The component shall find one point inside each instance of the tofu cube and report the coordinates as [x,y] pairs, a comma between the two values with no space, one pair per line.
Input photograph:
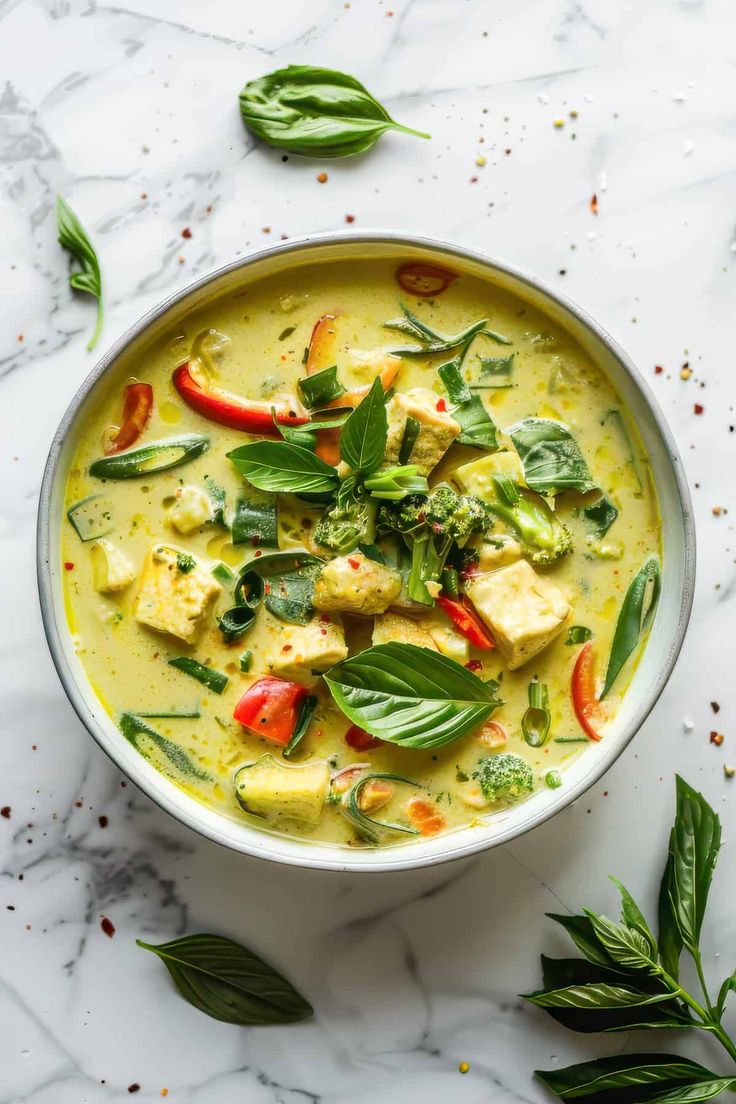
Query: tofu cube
[298,650]
[174,592]
[192,509]
[392,626]
[524,611]
[498,552]
[437,429]
[111,569]
[476,478]
[356,584]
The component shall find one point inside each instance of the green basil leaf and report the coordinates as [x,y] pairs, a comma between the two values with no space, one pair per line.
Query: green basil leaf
[289,583]
[578,634]
[689,1094]
[582,933]
[281,466]
[551,457]
[228,982]
[635,617]
[432,341]
[728,986]
[315,112]
[669,939]
[410,696]
[365,825]
[594,997]
[306,712]
[601,514]
[478,428]
[255,523]
[452,377]
[149,459]
[363,437]
[492,369]
[320,388]
[213,680]
[694,845]
[633,917]
[73,236]
[628,1074]
[148,741]
[306,434]
[627,946]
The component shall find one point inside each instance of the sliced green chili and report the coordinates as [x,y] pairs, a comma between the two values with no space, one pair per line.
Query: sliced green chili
[365,825]
[535,723]
[246,660]
[634,619]
[306,712]
[578,634]
[92,517]
[223,574]
[321,388]
[248,594]
[150,459]
[213,680]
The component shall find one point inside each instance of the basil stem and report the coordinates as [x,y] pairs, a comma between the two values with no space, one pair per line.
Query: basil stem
[213,680]
[365,825]
[73,236]
[306,712]
[535,723]
[315,112]
[635,617]
[149,459]
[321,388]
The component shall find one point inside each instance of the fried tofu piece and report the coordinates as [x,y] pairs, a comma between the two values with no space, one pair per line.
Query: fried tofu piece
[356,584]
[524,611]
[390,627]
[112,571]
[174,592]
[298,650]
[192,509]
[437,428]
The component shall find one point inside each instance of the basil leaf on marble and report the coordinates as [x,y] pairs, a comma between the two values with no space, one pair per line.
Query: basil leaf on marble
[73,237]
[315,112]
[551,457]
[627,1074]
[411,696]
[281,466]
[229,982]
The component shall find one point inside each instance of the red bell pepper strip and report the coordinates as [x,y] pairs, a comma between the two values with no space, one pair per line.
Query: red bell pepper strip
[360,740]
[584,701]
[423,280]
[466,622]
[321,344]
[232,411]
[270,708]
[137,409]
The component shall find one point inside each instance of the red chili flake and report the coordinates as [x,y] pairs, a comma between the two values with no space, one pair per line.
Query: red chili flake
[594,204]
[474,180]
[698,408]
[5,812]
[716,738]
[267,588]
[474,665]
[350,218]
[258,554]
[441,406]
[108,927]
[322,178]
[144,195]
[323,631]
[715,707]
[20,337]
[658,369]
[68,565]
[186,232]
[103,821]
[355,564]
[287,648]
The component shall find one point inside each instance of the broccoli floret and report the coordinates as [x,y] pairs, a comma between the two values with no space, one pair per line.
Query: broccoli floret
[545,537]
[504,777]
[430,525]
[344,527]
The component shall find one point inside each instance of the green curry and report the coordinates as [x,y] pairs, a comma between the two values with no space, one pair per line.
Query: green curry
[363,553]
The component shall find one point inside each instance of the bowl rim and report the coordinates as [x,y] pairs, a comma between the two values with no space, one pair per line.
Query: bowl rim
[337,859]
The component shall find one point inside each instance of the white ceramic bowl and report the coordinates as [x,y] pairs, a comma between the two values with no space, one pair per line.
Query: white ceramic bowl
[651,673]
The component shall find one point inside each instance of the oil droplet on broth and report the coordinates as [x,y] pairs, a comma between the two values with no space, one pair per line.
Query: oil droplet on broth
[169,412]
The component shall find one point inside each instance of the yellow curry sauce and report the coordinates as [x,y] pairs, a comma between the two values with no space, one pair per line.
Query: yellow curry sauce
[268,326]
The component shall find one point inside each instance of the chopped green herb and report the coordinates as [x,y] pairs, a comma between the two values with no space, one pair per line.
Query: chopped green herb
[185,563]
[246,660]
[578,634]
[213,680]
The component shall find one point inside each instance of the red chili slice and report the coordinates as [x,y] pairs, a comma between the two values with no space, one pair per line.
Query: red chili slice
[137,409]
[360,740]
[270,708]
[232,411]
[423,280]
[584,701]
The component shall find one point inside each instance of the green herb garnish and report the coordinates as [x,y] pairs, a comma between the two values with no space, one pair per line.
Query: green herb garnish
[185,563]
[634,619]
[578,634]
[535,724]
[213,680]
[72,236]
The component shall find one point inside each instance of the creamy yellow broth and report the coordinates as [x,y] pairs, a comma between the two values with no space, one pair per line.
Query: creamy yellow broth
[127,662]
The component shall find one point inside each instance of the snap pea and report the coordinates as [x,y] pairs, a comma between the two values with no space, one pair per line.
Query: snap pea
[149,459]
[634,619]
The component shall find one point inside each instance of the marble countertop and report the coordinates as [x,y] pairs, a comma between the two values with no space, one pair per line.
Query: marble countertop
[130,110]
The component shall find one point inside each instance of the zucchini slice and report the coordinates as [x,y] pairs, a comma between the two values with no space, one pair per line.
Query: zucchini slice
[92,517]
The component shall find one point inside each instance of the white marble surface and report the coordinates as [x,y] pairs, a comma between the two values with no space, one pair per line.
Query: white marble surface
[409,975]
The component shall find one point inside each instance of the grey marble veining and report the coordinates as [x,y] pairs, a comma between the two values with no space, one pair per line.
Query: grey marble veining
[131,110]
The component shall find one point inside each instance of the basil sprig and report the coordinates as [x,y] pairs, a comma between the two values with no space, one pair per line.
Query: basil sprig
[73,236]
[551,457]
[432,341]
[411,696]
[634,619]
[315,112]
[228,982]
[285,467]
[628,978]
